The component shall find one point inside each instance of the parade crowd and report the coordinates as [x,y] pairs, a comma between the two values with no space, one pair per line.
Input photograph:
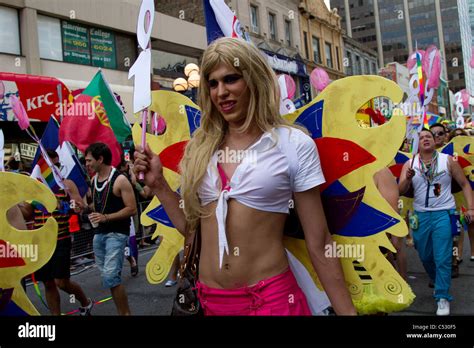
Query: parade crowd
[238,205]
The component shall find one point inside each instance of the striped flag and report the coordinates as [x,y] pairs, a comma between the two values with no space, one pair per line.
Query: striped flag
[42,171]
[70,167]
[96,116]
[221,21]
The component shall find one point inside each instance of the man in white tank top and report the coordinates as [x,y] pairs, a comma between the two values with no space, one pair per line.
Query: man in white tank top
[430,173]
[441,137]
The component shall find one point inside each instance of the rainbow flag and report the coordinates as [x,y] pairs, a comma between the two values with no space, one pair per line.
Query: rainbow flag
[422,86]
[47,175]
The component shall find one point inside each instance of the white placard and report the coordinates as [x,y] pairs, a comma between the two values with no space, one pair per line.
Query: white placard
[141,70]
[28,150]
[460,122]
[142,90]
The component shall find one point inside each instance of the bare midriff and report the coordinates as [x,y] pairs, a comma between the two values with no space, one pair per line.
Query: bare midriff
[256,250]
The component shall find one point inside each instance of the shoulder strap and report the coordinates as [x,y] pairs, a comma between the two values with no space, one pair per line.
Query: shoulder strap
[192,248]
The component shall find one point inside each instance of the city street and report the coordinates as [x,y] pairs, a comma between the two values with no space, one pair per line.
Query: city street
[147,299]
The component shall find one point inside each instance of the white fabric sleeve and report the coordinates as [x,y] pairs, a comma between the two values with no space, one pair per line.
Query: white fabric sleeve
[309,173]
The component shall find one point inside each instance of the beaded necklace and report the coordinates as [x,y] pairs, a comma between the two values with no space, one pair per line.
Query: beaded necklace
[428,171]
[102,197]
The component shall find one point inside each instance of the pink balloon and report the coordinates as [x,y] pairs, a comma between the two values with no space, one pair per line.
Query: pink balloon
[411,62]
[472,58]
[434,73]
[161,125]
[19,112]
[290,86]
[319,79]
[158,125]
[2,90]
[465,98]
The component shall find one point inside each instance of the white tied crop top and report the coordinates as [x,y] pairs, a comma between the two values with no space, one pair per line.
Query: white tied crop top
[282,161]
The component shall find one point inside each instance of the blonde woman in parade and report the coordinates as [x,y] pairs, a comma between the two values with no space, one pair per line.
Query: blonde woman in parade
[242,205]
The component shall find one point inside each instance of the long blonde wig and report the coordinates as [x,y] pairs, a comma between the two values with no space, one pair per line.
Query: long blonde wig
[263,111]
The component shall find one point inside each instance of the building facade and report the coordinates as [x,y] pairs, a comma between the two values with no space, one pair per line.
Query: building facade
[70,40]
[321,34]
[358,58]
[466,40]
[274,27]
[395,27]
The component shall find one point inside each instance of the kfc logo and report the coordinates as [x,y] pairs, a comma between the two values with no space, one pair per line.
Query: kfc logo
[39,101]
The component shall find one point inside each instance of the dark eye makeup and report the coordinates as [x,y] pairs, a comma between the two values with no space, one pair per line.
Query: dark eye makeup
[228,79]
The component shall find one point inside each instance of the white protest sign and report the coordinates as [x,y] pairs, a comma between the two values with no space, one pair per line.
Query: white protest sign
[141,70]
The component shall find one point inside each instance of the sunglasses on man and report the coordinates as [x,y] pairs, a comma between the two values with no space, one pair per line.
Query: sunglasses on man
[439,134]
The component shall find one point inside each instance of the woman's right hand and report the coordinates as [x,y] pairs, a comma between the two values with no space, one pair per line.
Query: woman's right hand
[150,165]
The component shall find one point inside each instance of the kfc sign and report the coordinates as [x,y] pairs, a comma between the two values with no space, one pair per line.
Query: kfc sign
[38,94]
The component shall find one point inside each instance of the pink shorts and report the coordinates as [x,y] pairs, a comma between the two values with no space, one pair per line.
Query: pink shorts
[278,295]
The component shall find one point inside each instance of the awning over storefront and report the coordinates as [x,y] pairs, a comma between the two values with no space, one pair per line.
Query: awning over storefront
[39,95]
[286,64]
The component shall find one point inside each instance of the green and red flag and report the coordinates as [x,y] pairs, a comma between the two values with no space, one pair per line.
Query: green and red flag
[96,116]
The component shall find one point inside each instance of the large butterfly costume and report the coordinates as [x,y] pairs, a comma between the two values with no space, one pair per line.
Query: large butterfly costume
[356,213]
[14,189]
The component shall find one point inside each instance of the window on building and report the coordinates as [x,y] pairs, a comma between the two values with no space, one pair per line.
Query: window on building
[272,25]
[357,65]
[374,69]
[288,32]
[348,63]
[254,19]
[367,66]
[9,31]
[78,44]
[316,53]
[328,51]
[306,50]
[49,38]
[337,59]
[126,51]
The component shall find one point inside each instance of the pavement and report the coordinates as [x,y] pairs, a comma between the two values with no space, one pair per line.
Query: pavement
[461,287]
[143,297]
[147,299]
